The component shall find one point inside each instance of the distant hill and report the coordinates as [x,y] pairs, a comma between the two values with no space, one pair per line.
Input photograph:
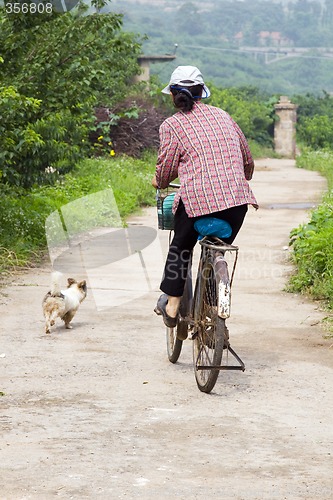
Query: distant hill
[237,43]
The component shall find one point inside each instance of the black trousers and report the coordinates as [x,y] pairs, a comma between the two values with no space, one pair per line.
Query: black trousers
[183,242]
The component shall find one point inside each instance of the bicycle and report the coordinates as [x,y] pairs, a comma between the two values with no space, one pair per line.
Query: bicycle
[203,313]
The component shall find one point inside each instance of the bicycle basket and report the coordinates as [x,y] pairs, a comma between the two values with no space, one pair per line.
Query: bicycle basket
[164,211]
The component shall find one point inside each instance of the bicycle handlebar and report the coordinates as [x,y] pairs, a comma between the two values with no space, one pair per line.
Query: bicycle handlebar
[171,185]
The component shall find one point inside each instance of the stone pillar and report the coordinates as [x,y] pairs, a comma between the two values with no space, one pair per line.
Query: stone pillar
[145,61]
[145,70]
[285,128]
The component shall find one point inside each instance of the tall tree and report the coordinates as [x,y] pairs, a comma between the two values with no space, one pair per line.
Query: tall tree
[59,66]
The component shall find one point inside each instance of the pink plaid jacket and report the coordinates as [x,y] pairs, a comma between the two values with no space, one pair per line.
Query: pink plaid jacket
[208,152]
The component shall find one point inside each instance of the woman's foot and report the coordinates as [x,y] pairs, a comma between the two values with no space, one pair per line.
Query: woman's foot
[172,306]
[169,311]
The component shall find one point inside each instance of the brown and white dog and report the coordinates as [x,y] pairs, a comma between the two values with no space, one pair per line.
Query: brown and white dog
[62,304]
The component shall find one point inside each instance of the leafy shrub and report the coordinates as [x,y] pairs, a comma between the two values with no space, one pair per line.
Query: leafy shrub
[55,68]
[31,147]
[313,254]
[314,120]
[312,243]
[317,132]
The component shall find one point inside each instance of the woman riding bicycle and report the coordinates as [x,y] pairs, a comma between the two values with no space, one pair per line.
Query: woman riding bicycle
[206,149]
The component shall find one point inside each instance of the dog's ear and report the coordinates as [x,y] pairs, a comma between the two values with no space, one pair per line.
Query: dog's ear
[70,282]
[82,285]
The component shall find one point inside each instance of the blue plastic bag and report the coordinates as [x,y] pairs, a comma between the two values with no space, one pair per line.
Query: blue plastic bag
[211,226]
[166,217]
[168,203]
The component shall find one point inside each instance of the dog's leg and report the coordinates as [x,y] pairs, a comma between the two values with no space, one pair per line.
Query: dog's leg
[47,325]
[50,321]
[67,318]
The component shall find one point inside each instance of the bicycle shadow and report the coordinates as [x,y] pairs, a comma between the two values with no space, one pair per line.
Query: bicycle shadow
[229,382]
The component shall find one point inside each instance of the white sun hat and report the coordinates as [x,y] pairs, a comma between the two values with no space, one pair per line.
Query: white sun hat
[187,76]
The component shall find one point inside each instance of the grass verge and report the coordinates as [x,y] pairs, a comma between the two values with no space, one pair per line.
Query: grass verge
[23,214]
[312,243]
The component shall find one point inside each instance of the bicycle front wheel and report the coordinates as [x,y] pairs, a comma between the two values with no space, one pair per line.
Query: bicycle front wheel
[209,338]
[175,336]
[174,343]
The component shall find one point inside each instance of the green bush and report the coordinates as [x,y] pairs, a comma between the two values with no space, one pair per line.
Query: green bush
[313,254]
[31,148]
[314,120]
[312,243]
[55,68]
[317,132]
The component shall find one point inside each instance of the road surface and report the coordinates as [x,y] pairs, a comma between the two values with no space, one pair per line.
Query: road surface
[99,412]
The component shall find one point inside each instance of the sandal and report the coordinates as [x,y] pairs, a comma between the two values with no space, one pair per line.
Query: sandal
[160,310]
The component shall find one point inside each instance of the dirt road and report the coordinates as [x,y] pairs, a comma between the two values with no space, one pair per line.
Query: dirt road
[99,412]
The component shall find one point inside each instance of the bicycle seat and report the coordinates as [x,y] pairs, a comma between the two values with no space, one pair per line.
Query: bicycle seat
[211,226]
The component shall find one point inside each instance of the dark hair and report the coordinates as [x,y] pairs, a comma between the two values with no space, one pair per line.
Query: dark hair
[184,97]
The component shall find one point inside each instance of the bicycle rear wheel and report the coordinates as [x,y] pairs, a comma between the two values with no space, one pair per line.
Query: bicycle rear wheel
[209,338]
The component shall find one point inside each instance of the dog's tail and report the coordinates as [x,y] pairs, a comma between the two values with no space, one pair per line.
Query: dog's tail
[55,284]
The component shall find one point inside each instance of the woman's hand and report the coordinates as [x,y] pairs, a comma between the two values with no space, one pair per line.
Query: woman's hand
[154,183]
